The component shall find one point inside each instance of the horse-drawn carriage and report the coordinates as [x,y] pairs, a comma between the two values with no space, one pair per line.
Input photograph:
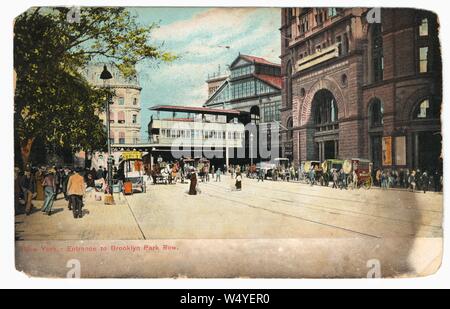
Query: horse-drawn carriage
[362,168]
[328,167]
[131,172]
[307,169]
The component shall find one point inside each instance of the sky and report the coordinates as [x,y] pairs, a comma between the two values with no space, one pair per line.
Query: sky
[200,36]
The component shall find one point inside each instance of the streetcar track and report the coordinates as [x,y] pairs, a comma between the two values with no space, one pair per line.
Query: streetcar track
[318,208]
[349,200]
[297,217]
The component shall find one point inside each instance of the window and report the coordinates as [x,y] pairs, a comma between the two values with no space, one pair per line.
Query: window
[111,117]
[423,60]
[241,71]
[325,109]
[121,117]
[339,41]
[135,101]
[427,109]
[290,127]
[304,25]
[428,55]
[377,53]
[243,89]
[121,101]
[272,112]
[121,137]
[423,27]
[134,119]
[289,86]
[332,12]
[320,18]
[111,137]
[345,45]
[376,114]
[255,115]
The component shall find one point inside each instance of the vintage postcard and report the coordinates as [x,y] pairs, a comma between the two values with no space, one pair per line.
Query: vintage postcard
[179,142]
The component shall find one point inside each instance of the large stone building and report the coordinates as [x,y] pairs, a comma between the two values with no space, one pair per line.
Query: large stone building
[358,87]
[254,87]
[125,110]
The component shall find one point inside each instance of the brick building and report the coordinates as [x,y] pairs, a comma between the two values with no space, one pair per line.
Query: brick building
[358,87]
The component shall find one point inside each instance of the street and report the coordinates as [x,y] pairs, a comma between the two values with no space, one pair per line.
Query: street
[262,210]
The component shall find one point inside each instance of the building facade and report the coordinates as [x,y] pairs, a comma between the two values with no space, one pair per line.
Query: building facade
[359,86]
[125,110]
[253,86]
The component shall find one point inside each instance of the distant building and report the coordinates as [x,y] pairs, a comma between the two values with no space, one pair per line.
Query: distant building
[355,88]
[215,80]
[253,86]
[125,114]
[125,111]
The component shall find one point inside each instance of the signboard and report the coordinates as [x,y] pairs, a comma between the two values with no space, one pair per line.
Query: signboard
[132,155]
[318,57]
[400,150]
[288,149]
[387,150]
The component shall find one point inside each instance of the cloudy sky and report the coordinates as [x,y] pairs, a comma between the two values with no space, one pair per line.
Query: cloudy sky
[201,37]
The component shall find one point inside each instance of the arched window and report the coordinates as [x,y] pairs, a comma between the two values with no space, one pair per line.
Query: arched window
[325,108]
[255,115]
[377,53]
[290,127]
[289,85]
[427,109]
[376,112]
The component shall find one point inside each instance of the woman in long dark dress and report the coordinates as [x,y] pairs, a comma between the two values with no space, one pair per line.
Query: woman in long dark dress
[193,186]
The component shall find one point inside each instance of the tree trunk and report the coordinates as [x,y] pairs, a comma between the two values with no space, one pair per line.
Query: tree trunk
[25,150]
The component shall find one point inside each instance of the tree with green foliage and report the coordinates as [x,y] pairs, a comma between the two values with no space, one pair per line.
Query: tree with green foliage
[53,100]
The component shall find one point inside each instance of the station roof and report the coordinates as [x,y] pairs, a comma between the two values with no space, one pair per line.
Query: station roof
[259,60]
[195,110]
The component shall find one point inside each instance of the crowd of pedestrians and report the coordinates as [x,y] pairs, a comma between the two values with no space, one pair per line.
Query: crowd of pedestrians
[46,184]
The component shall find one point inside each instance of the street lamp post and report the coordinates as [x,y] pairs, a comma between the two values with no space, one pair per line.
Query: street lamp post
[106,76]
[251,149]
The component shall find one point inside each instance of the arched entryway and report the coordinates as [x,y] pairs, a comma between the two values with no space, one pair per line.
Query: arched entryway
[326,125]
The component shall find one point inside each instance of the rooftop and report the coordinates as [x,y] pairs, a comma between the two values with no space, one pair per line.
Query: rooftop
[258,60]
[194,110]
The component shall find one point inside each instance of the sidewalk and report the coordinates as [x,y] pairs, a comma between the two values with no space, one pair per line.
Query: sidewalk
[99,222]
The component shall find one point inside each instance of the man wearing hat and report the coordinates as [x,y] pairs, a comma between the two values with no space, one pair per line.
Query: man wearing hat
[76,190]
